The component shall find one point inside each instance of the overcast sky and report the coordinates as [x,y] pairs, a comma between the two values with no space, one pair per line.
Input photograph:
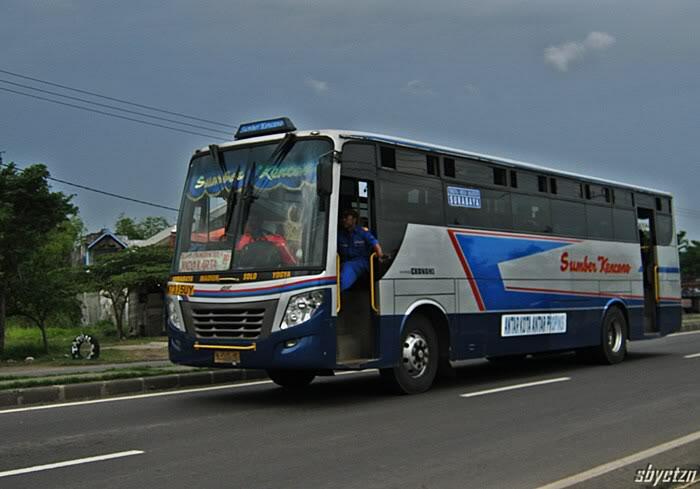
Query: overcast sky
[606,88]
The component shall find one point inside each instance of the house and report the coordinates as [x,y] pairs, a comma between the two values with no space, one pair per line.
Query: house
[145,315]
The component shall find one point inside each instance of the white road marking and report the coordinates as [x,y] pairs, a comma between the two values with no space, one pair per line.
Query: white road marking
[154,394]
[516,386]
[694,355]
[616,464]
[68,463]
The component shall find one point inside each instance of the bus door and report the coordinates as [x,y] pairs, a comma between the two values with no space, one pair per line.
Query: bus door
[356,325]
[647,243]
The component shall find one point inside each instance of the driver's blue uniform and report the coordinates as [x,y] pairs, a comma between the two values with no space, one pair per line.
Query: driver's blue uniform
[355,248]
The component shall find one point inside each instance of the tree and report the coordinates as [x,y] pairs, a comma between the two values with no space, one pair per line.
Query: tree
[690,262]
[683,242]
[144,229]
[116,275]
[28,211]
[46,282]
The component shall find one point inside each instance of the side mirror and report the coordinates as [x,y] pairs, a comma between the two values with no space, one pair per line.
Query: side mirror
[324,175]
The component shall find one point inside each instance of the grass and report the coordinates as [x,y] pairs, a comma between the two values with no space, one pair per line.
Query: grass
[9,382]
[23,340]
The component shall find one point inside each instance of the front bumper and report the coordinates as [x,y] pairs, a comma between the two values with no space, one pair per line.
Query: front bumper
[315,347]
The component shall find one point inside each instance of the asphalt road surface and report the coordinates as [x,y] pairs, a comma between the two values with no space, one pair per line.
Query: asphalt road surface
[559,422]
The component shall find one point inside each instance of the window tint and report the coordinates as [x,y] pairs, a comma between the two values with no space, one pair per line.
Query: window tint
[645,200]
[495,212]
[359,153]
[568,188]
[474,172]
[413,200]
[599,222]
[528,182]
[568,218]
[598,193]
[388,157]
[449,167]
[531,213]
[664,230]
[411,162]
[625,223]
[500,176]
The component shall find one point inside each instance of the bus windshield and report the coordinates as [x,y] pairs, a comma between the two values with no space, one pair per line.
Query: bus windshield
[257,209]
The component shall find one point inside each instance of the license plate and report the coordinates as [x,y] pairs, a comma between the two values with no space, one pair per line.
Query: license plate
[180,289]
[227,356]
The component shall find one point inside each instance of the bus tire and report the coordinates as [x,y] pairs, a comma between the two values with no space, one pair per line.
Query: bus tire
[292,379]
[613,339]
[419,360]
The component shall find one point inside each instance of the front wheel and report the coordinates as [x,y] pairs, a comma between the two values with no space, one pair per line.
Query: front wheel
[292,379]
[418,365]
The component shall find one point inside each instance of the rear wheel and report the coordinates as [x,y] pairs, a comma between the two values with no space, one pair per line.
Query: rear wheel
[418,364]
[292,379]
[613,342]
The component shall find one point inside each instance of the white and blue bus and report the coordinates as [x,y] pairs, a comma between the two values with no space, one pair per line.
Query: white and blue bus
[489,257]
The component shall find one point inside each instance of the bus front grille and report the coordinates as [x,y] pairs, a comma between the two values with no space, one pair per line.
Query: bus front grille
[247,321]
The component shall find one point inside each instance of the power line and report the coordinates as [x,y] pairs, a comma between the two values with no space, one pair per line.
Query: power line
[113,107]
[103,192]
[148,123]
[114,99]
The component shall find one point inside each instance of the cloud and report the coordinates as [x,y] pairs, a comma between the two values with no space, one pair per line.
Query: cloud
[417,87]
[317,86]
[564,54]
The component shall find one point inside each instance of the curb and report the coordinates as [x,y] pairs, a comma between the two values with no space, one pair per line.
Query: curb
[690,327]
[107,388]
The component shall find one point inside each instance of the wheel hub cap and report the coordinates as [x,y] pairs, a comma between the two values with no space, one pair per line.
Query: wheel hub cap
[615,337]
[416,354]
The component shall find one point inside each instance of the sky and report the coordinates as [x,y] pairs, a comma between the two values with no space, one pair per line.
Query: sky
[606,88]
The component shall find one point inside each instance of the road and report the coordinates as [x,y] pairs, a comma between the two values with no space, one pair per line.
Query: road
[347,432]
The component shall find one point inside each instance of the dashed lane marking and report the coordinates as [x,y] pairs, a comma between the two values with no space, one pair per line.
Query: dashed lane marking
[68,463]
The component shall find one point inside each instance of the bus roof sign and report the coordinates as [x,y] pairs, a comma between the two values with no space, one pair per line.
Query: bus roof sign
[263,128]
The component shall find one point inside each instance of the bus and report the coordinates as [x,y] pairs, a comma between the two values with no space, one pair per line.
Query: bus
[489,257]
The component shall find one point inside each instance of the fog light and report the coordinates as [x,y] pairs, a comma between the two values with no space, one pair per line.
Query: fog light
[290,343]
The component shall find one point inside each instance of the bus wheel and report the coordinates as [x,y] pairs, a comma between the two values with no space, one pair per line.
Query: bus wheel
[418,365]
[613,345]
[292,379]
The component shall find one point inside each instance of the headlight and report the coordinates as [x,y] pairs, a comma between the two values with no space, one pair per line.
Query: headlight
[174,312]
[301,307]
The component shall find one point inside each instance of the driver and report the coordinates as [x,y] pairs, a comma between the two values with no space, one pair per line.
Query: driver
[355,245]
[254,233]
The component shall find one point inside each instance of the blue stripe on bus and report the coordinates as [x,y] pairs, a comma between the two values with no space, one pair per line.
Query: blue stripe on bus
[266,291]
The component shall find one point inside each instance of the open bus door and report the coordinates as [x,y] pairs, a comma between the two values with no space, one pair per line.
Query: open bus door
[647,242]
[358,312]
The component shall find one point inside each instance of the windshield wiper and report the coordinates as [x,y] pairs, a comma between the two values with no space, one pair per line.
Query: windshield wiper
[280,153]
[231,201]
[231,197]
[248,196]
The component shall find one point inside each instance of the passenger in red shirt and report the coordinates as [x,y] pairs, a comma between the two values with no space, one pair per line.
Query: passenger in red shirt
[254,234]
